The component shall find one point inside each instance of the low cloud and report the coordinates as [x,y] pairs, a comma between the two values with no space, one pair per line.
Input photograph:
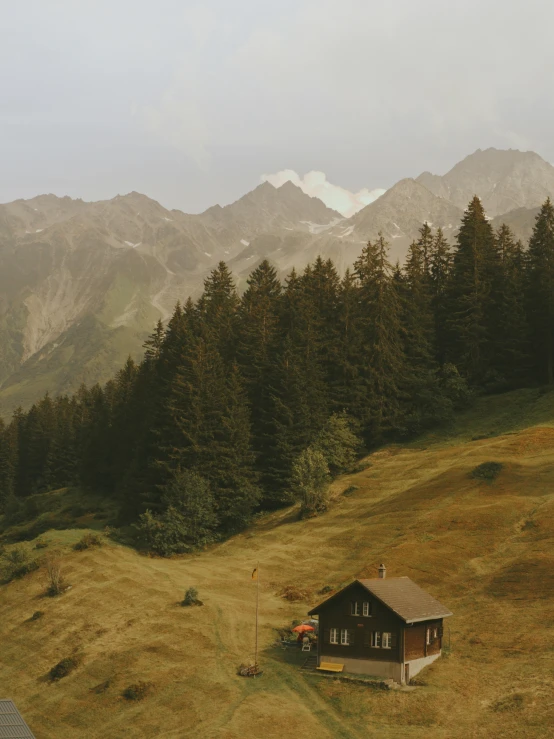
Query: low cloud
[317,185]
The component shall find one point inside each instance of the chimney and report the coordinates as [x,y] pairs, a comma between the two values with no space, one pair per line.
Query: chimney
[382,572]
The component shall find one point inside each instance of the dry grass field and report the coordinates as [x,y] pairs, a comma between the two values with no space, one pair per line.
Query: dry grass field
[484,549]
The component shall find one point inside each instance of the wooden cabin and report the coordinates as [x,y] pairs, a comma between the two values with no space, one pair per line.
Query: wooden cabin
[386,627]
[11,722]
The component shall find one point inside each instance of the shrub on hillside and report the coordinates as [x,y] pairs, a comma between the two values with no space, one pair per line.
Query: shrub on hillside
[350,489]
[36,615]
[16,563]
[56,582]
[310,481]
[488,471]
[338,443]
[137,691]
[191,598]
[64,668]
[454,386]
[188,521]
[88,541]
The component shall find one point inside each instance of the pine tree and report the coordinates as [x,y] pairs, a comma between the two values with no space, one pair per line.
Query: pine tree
[259,342]
[218,310]
[348,387]
[440,262]
[511,350]
[383,361]
[540,292]
[472,308]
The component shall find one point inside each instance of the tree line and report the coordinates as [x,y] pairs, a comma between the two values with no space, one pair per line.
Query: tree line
[240,401]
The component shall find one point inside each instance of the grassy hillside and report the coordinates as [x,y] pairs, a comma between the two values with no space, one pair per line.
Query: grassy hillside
[483,548]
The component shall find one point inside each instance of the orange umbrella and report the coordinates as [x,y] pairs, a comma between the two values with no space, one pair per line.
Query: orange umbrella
[301,628]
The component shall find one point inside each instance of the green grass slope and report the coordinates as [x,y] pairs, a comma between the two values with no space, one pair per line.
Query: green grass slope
[484,548]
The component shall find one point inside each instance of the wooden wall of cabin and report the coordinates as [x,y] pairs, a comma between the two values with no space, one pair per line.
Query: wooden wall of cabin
[415,640]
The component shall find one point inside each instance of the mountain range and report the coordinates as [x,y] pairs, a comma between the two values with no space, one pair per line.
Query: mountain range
[82,284]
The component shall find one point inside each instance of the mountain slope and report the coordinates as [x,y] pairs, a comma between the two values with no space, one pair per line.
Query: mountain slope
[400,212]
[485,550]
[69,268]
[504,180]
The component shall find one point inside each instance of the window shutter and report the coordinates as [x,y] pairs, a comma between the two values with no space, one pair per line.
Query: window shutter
[351,637]
[327,636]
[367,635]
[393,640]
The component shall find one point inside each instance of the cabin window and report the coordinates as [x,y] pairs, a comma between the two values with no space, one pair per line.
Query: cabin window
[428,636]
[354,608]
[435,633]
[334,636]
[375,638]
[387,640]
[344,637]
[366,608]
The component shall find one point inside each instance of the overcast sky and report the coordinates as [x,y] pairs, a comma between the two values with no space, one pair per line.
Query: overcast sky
[192,102]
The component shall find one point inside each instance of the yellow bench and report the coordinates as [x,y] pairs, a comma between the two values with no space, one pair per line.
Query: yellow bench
[331,667]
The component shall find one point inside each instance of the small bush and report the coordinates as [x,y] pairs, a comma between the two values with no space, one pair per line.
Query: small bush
[310,481]
[512,702]
[64,668]
[137,692]
[325,589]
[36,615]
[488,471]
[88,541]
[16,564]
[188,522]
[292,593]
[56,582]
[350,489]
[41,544]
[361,467]
[191,598]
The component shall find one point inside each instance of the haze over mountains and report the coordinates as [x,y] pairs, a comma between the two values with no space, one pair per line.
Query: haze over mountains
[81,284]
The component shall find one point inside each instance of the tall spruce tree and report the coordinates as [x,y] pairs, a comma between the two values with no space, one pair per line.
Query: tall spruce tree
[440,262]
[472,307]
[540,293]
[511,346]
[383,367]
[259,341]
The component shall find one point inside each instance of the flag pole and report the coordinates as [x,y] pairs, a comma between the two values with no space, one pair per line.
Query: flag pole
[257,604]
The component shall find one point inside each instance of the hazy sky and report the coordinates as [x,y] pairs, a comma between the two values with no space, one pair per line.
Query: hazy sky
[191,103]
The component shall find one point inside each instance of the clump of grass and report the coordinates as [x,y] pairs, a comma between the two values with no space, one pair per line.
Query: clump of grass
[350,489]
[41,544]
[36,615]
[137,691]
[56,580]
[512,702]
[488,471]
[326,589]
[64,668]
[292,593]
[101,688]
[191,598]
[88,541]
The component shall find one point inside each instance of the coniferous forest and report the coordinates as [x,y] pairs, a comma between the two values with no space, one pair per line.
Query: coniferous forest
[242,403]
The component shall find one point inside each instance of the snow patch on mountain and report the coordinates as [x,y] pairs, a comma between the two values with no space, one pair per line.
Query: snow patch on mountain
[316,185]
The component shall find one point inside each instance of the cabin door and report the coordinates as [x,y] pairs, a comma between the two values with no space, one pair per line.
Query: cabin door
[407,674]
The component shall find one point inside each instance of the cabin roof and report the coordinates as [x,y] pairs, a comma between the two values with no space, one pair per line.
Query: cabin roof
[410,602]
[12,725]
